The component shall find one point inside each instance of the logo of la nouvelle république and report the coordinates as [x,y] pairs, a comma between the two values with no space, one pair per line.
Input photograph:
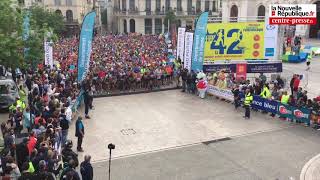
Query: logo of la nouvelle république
[293,14]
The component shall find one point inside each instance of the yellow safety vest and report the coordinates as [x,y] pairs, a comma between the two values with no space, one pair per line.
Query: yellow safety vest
[285,99]
[21,104]
[265,93]
[248,99]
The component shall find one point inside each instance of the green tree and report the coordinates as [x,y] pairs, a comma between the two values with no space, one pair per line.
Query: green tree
[43,18]
[170,17]
[11,44]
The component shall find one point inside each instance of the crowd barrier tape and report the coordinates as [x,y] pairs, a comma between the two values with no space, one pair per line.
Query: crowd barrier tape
[298,114]
[222,93]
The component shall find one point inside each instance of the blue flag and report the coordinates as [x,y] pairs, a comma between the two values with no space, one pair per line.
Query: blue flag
[26,30]
[199,41]
[85,45]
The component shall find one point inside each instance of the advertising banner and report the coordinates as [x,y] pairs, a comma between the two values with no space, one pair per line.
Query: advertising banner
[85,45]
[180,43]
[48,54]
[188,50]
[199,42]
[251,68]
[301,114]
[285,111]
[173,33]
[222,93]
[264,68]
[264,104]
[241,71]
[26,30]
[236,41]
[270,41]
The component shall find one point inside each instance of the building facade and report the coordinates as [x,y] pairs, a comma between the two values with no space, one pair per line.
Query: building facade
[148,16]
[72,10]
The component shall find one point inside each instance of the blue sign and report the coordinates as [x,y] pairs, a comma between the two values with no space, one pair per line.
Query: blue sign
[269,52]
[85,45]
[264,104]
[199,42]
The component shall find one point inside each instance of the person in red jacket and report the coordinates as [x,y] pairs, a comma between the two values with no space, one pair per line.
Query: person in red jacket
[32,142]
[202,87]
[296,84]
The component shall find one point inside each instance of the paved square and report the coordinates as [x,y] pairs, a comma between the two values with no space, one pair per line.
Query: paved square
[163,120]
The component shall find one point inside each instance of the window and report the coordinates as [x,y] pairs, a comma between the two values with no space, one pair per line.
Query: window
[124,5]
[261,13]
[214,6]
[234,13]
[125,26]
[132,25]
[158,5]
[179,5]
[148,5]
[69,15]
[68,2]
[57,2]
[158,24]
[166,26]
[178,23]
[132,5]
[206,6]
[58,11]
[198,6]
[148,26]
[167,5]
[189,6]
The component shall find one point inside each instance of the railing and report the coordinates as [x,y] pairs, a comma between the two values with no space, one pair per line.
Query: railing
[237,19]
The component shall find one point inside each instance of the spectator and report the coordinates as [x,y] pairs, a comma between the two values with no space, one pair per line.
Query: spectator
[79,133]
[86,168]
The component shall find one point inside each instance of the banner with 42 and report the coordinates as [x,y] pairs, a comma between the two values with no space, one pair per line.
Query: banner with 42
[234,41]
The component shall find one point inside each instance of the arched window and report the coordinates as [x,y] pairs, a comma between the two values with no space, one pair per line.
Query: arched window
[234,13]
[69,16]
[58,11]
[125,26]
[261,13]
[132,25]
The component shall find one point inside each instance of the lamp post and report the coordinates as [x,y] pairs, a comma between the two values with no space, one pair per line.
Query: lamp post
[110,147]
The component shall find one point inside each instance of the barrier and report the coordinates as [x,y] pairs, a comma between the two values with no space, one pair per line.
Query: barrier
[76,104]
[222,93]
[298,114]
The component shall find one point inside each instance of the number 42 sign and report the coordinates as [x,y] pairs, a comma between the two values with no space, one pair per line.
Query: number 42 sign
[235,41]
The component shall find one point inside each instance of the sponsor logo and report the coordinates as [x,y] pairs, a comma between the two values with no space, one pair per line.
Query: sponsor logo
[270,27]
[283,110]
[299,114]
[293,14]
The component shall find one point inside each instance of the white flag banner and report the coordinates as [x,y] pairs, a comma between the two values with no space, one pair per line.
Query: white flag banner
[48,54]
[180,44]
[188,50]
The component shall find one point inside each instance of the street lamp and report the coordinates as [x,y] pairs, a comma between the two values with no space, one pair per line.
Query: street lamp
[110,147]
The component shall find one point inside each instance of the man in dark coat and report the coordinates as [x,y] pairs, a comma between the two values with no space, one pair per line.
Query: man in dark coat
[22,152]
[79,133]
[86,168]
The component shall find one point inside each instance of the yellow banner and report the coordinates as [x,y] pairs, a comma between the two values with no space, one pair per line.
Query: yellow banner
[234,41]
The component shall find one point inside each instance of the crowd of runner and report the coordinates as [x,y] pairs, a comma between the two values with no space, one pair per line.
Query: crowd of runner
[122,62]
